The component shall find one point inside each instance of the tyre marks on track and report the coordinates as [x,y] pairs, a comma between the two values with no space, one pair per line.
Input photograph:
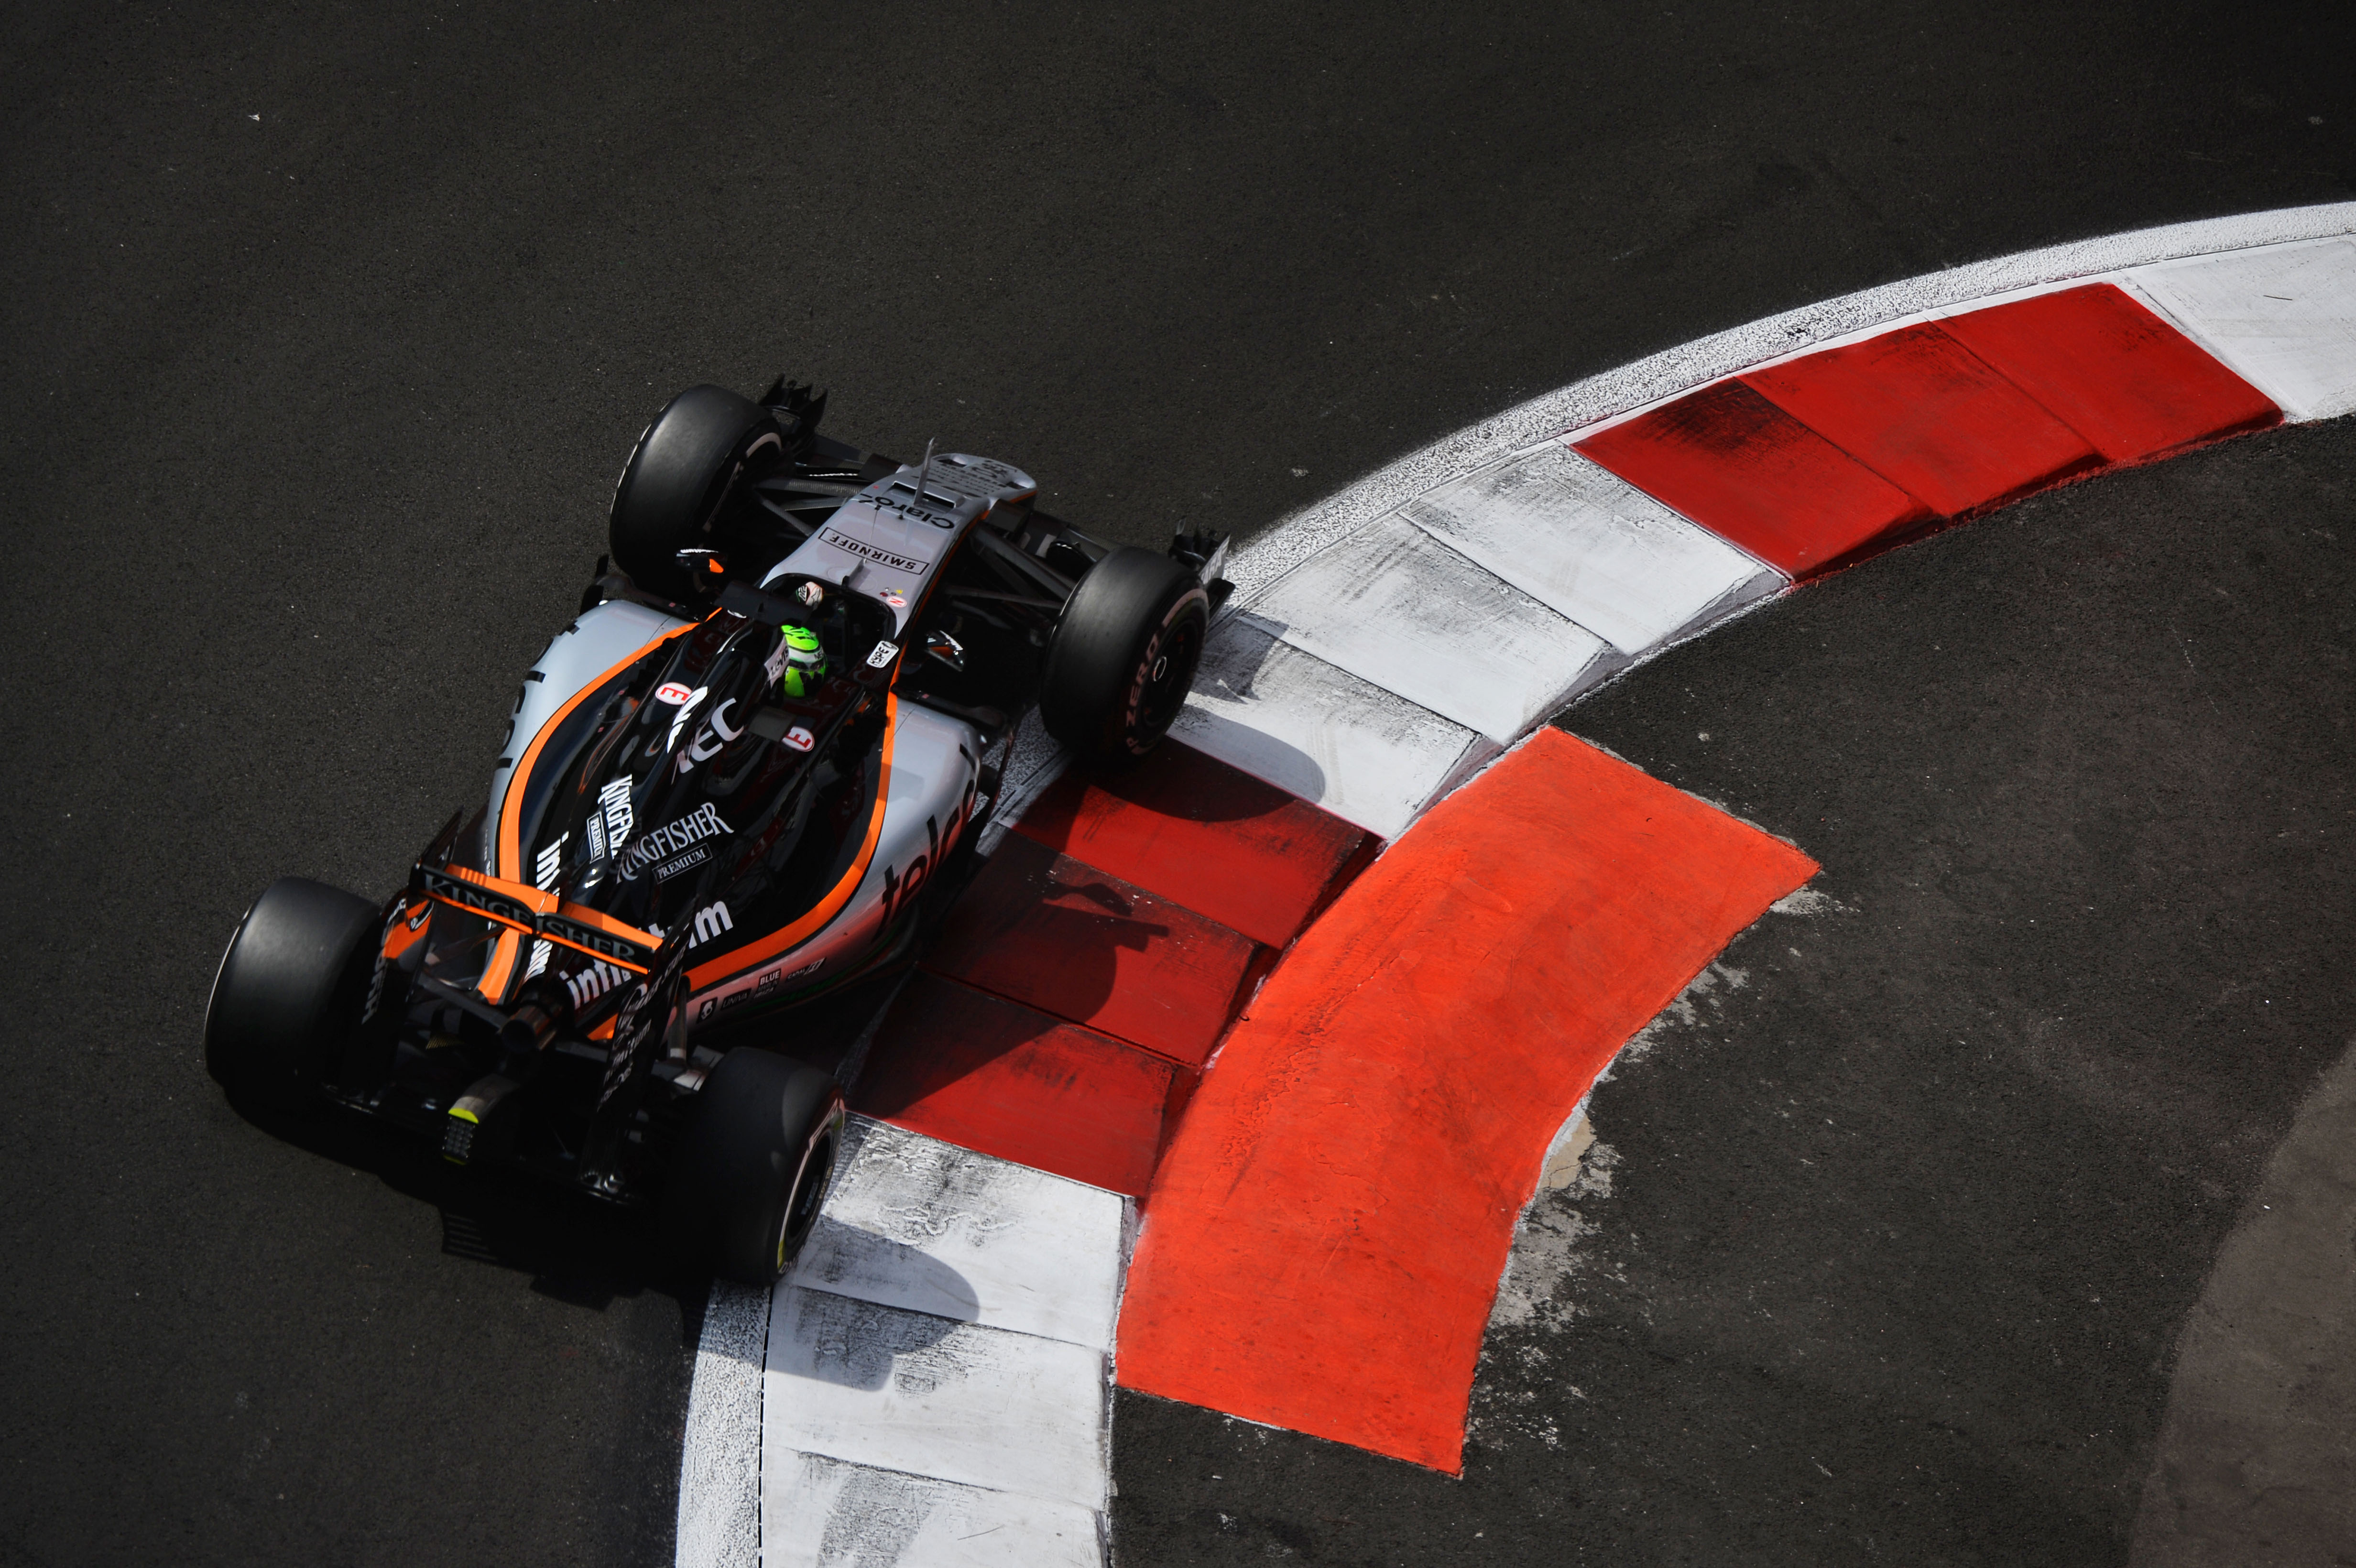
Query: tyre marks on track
[932,1374]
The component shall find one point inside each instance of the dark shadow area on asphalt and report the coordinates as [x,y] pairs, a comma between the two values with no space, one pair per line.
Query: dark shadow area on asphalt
[575,1249]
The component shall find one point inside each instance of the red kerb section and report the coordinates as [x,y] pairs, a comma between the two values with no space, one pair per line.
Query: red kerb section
[1061,1017]
[1822,461]
[971,1070]
[1749,472]
[1046,931]
[1324,1240]
[2125,379]
[1200,834]
[1929,416]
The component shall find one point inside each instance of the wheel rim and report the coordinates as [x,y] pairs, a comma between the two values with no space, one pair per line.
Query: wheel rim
[809,1191]
[1169,673]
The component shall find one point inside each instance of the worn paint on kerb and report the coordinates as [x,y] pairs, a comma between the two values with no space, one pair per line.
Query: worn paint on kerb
[854,1514]
[917,1223]
[1289,718]
[1396,607]
[930,1396]
[935,1389]
[1593,548]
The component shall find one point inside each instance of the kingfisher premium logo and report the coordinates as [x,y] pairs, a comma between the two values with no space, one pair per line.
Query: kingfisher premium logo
[675,846]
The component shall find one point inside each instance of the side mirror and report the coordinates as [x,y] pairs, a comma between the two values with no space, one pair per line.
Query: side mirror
[703,570]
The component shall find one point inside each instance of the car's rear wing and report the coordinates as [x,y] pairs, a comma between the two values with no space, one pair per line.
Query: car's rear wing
[528,910]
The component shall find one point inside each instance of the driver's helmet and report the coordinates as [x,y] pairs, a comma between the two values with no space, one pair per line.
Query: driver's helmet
[805,662]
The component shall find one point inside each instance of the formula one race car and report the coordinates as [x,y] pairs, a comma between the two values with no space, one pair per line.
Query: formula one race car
[726,789]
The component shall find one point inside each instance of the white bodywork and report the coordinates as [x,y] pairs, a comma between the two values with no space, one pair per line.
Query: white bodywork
[886,541]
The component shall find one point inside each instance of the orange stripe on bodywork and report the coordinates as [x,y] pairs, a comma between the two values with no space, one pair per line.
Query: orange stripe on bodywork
[403,935]
[580,914]
[496,974]
[829,906]
[510,849]
[510,856]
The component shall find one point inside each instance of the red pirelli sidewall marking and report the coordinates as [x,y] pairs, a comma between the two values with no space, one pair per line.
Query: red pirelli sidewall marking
[1324,1237]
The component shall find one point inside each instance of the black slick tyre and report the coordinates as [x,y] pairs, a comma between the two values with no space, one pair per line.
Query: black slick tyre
[288,992]
[678,479]
[753,1165]
[1124,654]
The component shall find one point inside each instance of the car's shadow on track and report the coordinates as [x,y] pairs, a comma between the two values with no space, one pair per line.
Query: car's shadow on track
[576,1248]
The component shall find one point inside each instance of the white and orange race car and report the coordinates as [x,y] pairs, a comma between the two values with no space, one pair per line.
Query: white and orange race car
[742,777]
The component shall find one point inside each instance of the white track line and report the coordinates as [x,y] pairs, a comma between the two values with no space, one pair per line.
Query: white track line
[935,1374]
[720,1458]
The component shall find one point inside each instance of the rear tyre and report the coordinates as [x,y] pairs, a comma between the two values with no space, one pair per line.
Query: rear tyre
[1124,654]
[289,991]
[753,1164]
[673,488]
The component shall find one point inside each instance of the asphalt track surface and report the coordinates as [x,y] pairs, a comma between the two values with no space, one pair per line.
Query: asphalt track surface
[311,421]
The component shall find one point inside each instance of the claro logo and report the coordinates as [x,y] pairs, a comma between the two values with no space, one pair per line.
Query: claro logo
[672,840]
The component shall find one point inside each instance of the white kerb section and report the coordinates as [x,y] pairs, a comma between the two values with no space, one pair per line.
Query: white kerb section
[2284,318]
[938,1366]
[1321,733]
[851,1514]
[1592,548]
[934,1378]
[1381,668]
[1398,608]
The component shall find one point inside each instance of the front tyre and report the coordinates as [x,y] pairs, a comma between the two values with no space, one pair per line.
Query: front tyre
[679,478]
[289,991]
[1124,654]
[753,1165]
